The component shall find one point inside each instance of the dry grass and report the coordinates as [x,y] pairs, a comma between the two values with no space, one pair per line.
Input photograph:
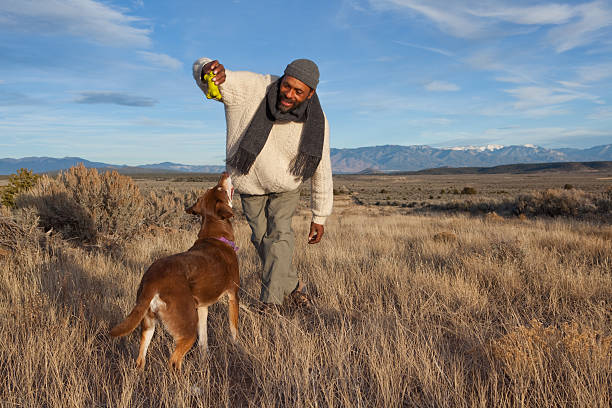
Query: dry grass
[413,310]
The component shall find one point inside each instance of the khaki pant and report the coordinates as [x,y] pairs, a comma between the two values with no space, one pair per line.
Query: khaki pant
[269,216]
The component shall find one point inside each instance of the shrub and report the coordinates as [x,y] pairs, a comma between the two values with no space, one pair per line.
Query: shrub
[342,190]
[83,204]
[532,354]
[553,202]
[166,209]
[568,187]
[468,190]
[19,230]
[18,183]
[445,236]
[493,217]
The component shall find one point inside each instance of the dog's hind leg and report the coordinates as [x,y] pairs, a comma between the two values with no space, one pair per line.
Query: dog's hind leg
[148,328]
[233,312]
[181,320]
[202,328]
[183,345]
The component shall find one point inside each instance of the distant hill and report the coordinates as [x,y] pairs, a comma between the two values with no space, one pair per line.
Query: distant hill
[185,168]
[413,158]
[45,164]
[380,159]
[50,164]
[598,166]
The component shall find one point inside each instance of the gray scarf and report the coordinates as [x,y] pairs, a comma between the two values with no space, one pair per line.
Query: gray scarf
[311,142]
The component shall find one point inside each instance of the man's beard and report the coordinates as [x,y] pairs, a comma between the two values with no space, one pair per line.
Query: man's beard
[285,109]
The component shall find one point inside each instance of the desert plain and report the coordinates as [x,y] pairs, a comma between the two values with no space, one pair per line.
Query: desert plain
[427,294]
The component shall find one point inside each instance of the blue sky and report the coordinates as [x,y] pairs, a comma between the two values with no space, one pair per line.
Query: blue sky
[111,80]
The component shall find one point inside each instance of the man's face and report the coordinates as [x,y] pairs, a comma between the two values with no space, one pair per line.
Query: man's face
[293,93]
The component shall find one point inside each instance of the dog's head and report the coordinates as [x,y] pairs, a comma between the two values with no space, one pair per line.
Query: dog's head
[216,203]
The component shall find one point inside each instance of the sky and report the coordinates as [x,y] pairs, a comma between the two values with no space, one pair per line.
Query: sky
[112,81]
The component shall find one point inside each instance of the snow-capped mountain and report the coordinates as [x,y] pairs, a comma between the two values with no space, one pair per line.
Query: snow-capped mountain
[410,158]
[380,158]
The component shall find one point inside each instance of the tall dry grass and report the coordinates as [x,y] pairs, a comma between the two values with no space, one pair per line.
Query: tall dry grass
[412,311]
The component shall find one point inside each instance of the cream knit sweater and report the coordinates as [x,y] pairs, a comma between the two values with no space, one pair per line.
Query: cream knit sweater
[242,93]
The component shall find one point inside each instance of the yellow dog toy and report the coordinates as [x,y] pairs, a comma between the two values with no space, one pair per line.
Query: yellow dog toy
[213,89]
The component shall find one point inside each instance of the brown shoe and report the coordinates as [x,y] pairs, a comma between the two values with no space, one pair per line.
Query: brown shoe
[299,299]
[267,309]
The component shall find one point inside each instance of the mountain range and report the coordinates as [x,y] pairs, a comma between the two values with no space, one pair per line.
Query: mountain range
[388,158]
[51,164]
[412,158]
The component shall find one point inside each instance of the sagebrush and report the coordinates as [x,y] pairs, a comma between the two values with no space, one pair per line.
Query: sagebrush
[90,207]
[571,203]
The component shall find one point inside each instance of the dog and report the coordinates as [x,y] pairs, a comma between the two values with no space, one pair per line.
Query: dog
[178,289]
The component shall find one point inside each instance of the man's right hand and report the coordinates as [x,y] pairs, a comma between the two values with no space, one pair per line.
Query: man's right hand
[217,68]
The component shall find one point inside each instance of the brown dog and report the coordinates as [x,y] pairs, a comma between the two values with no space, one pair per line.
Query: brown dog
[179,288]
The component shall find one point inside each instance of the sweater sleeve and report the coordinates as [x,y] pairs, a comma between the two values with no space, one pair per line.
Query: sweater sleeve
[197,73]
[238,87]
[322,188]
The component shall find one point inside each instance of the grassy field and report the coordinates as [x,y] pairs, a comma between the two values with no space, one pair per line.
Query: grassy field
[415,308]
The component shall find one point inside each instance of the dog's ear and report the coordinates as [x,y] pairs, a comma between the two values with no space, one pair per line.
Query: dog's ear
[223,210]
[195,209]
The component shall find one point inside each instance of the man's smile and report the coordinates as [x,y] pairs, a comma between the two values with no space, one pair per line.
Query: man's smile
[286,102]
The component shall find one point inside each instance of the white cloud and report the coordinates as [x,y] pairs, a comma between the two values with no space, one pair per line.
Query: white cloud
[604,113]
[511,79]
[539,15]
[486,59]
[570,84]
[545,111]
[441,86]
[436,50]
[91,20]
[595,73]
[161,60]
[573,25]
[588,26]
[448,16]
[530,97]
[539,136]
[511,71]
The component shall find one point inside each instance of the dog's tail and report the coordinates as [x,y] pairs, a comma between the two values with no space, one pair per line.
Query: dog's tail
[135,316]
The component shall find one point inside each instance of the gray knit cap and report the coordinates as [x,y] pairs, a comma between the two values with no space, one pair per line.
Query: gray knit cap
[305,70]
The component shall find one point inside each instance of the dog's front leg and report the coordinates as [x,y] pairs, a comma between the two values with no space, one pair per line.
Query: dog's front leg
[202,328]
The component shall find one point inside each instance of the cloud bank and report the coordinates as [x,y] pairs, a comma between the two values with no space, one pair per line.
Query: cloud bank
[93,21]
[114,98]
[569,26]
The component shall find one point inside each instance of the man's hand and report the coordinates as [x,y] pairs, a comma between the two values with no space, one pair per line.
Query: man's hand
[316,233]
[217,69]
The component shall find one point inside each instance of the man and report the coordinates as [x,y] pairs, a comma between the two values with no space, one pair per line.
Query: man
[277,137]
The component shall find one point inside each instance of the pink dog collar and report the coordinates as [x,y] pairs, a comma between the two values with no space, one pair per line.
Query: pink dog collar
[230,243]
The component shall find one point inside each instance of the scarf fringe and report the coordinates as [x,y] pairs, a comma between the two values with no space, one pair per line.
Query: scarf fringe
[242,160]
[305,165]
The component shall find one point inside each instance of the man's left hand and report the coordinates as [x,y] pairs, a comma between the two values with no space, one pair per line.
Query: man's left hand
[316,233]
